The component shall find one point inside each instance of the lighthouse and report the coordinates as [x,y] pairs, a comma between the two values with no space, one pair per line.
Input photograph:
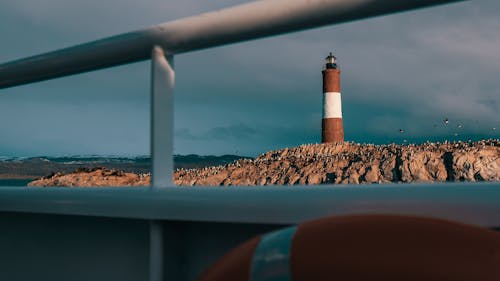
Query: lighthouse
[331,125]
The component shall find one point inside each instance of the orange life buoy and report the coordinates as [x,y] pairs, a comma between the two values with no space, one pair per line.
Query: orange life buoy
[365,248]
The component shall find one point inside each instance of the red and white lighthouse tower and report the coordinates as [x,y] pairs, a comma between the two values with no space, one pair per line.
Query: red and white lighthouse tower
[331,127]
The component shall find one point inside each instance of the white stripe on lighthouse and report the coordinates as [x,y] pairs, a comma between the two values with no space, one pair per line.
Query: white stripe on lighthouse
[332,105]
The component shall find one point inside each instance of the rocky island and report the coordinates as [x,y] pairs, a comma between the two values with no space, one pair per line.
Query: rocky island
[346,163]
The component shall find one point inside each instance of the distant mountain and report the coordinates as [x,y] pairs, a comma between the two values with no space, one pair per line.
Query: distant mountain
[35,167]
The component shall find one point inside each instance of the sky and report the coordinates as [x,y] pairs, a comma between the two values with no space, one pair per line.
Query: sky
[405,71]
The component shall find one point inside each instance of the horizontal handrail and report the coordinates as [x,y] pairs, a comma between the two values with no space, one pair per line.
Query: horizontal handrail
[474,203]
[243,22]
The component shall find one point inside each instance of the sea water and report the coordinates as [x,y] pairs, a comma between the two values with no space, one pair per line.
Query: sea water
[14,182]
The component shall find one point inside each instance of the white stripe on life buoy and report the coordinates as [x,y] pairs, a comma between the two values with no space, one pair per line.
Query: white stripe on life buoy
[271,259]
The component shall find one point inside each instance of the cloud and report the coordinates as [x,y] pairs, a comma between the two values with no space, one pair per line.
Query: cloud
[408,70]
[232,132]
[248,139]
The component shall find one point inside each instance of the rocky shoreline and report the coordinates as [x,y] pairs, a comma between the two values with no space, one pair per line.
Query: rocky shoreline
[346,163]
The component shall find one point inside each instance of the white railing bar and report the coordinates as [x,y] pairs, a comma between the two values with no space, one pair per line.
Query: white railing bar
[162,118]
[475,203]
[162,147]
[243,22]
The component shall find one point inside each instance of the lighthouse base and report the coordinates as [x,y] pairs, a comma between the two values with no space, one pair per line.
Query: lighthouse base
[332,130]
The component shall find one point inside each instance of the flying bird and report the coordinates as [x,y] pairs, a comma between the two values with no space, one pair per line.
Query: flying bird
[446,121]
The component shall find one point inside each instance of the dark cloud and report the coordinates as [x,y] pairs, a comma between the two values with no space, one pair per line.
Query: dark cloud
[245,138]
[234,132]
[408,70]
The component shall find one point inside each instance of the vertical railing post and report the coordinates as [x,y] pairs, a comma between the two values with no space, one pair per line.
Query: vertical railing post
[162,118]
[162,135]
[156,251]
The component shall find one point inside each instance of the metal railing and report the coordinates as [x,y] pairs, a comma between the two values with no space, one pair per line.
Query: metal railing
[161,42]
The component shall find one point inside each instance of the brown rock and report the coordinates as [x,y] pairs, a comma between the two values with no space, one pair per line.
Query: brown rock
[94,178]
[478,164]
[372,174]
[325,163]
